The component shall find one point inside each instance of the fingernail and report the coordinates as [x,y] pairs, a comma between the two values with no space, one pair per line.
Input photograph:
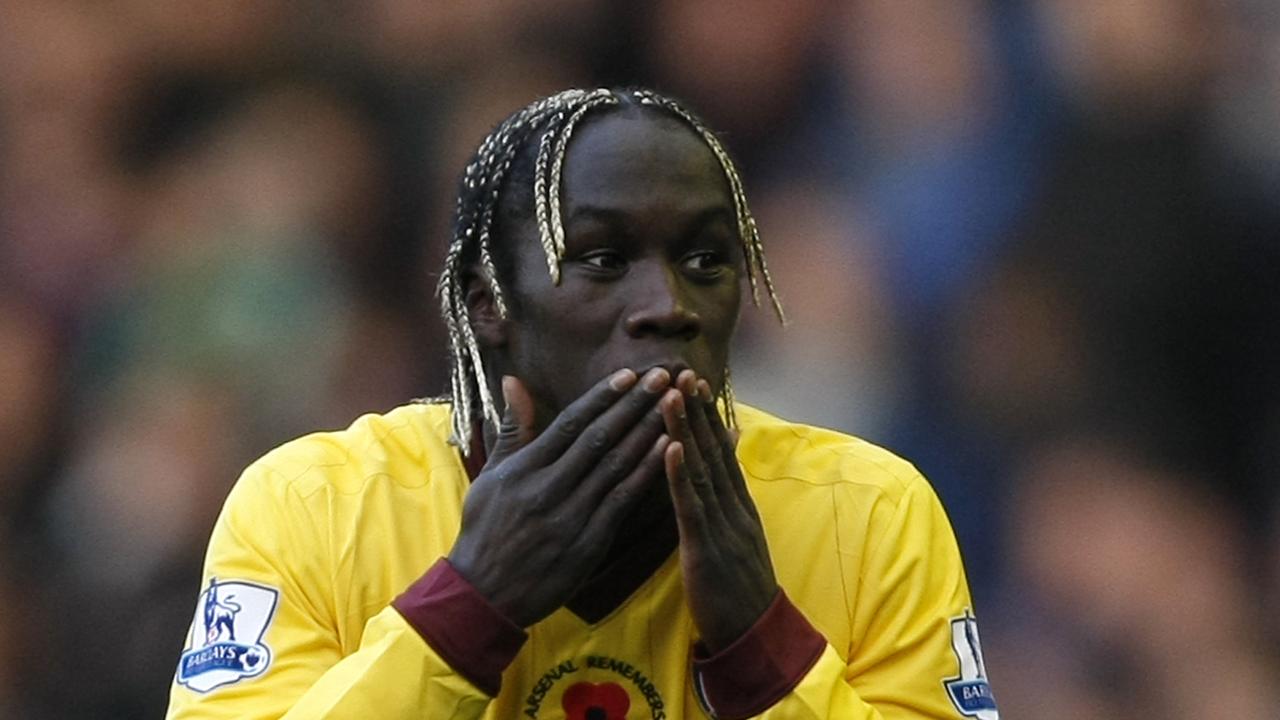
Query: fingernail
[508,382]
[686,382]
[704,390]
[656,379]
[666,402]
[622,379]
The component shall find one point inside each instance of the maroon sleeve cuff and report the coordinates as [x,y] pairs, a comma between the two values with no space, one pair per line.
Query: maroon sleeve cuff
[461,626]
[762,666]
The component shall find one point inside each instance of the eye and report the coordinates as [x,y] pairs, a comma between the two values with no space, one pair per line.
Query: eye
[706,263]
[604,261]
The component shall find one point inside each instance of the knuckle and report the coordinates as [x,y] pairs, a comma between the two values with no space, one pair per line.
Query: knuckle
[624,493]
[699,477]
[712,456]
[503,475]
[619,497]
[508,435]
[539,503]
[557,528]
[569,427]
[614,464]
[693,506]
[597,439]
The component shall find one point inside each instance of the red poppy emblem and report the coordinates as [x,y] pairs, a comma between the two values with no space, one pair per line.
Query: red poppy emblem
[589,701]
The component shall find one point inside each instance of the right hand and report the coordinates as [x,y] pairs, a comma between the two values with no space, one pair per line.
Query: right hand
[543,511]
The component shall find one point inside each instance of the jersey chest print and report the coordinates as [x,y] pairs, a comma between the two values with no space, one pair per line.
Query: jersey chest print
[594,687]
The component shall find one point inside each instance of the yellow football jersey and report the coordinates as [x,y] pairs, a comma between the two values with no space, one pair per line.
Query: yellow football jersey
[319,537]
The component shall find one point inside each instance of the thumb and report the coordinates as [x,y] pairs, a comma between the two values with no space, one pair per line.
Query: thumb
[516,429]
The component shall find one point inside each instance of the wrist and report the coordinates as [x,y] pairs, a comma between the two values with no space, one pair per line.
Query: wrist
[755,671]
[716,639]
[495,593]
[463,628]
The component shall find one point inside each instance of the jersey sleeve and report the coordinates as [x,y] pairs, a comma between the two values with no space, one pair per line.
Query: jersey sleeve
[264,641]
[917,655]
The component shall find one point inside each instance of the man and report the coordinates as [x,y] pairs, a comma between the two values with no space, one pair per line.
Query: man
[622,540]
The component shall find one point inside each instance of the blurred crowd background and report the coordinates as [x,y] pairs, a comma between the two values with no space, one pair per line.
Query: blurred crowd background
[1031,245]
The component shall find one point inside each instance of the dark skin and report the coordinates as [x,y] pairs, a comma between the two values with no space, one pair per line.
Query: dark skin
[649,299]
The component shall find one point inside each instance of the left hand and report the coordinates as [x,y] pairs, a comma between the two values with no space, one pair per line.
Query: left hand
[728,576]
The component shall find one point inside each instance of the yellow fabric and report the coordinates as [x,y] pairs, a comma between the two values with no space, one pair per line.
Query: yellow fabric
[340,523]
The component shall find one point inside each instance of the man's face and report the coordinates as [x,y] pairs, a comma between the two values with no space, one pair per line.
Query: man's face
[652,267]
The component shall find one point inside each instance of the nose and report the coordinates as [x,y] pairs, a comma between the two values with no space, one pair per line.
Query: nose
[661,307]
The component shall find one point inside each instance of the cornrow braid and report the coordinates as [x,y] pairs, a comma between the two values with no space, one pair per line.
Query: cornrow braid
[554,183]
[479,197]
[747,229]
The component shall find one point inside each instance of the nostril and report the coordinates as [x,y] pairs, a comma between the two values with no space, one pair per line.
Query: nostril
[674,321]
[690,329]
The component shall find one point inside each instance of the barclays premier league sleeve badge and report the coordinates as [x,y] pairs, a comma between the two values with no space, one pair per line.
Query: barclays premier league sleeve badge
[225,644]
[971,693]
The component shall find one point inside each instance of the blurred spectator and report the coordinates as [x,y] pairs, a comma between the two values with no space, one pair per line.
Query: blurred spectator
[64,74]
[207,35]
[226,337]
[29,390]
[1246,119]
[456,42]
[748,64]
[833,361]
[1134,396]
[940,146]
[1141,577]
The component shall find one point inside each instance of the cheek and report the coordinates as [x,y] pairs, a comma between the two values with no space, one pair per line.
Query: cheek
[555,347]
[722,313]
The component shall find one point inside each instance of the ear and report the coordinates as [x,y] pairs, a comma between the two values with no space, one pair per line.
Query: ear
[489,325]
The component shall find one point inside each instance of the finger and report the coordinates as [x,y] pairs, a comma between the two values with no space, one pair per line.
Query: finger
[684,500]
[520,401]
[598,442]
[727,441]
[689,472]
[705,462]
[604,521]
[617,464]
[517,427]
[571,421]
[702,412]
[675,416]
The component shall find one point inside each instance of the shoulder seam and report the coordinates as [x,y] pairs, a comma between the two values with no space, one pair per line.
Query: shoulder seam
[901,471]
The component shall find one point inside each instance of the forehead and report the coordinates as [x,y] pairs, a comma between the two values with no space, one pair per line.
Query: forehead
[628,160]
